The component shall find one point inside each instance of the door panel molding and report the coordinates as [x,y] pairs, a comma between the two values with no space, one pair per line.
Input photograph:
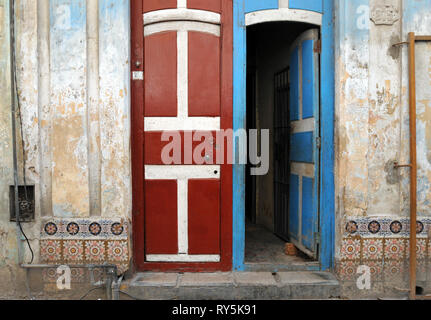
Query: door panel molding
[204,24]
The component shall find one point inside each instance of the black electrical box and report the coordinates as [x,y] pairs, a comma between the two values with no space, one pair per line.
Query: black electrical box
[26,201]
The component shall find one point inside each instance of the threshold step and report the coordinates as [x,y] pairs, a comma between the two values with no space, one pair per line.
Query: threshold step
[233,286]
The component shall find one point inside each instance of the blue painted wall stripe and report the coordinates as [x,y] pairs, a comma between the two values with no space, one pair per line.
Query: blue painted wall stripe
[239,122]
[327,200]
[294,194]
[256,5]
[301,147]
[308,79]
[311,5]
[308,213]
[294,85]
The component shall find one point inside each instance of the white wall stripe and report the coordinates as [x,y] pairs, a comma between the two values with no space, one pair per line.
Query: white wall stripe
[283,14]
[182,258]
[181,3]
[283,3]
[300,85]
[181,15]
[182,26]
[300,210]
[183,73]
[305,125]
[302,169]
[181,124]
[183,234]
[163,172]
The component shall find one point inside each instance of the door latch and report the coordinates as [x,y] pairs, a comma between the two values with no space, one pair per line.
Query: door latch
[318,143]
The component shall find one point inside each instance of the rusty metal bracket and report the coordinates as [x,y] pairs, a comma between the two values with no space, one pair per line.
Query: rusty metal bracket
[399,43]
[396,165]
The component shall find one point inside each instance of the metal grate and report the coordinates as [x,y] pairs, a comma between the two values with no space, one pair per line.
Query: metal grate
[26,201]
[281,152]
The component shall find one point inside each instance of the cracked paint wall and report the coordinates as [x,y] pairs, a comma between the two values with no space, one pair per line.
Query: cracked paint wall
[372,132]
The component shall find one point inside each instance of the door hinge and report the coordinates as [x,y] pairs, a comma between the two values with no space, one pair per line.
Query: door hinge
[318,46]
[317,237]
[318,143]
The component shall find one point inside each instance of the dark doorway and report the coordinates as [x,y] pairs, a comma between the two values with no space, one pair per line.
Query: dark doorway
[268,198]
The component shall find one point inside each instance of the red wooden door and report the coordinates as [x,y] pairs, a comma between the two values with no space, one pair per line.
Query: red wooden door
[182,88]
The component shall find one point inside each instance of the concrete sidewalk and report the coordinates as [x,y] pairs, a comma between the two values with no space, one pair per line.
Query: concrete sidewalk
[233,286]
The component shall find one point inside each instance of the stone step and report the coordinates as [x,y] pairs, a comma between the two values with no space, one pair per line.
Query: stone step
[233,286]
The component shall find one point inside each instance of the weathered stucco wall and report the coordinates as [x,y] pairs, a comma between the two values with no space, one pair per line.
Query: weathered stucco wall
[73,81]
[8,239]
[372,130]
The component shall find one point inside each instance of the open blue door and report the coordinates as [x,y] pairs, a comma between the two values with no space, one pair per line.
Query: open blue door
[304,155]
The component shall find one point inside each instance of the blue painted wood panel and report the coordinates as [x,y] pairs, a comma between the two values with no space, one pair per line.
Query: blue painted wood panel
[309,81]
[294,194]
[256,5]
[309,214]
[301,145]
[327,185]
[239,122]
[294,85]
[311,5]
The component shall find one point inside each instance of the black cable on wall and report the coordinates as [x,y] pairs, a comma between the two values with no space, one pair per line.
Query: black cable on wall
[16,111]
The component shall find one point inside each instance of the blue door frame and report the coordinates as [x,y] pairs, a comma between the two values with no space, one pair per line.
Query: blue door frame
[327,202]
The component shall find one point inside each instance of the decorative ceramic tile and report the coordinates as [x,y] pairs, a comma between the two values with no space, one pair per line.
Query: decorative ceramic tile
[374,227]
[421,249]
[421,269]
[49,275]
[78,275]
[394,249]
[117,251]
[85,241]
[98,229]
[50,251]
[372,249]
[351,227]
[351,249]
[394,269]
[347,270]
[396,227]
[385,226]
[73,251]
[376,269]
[95,251]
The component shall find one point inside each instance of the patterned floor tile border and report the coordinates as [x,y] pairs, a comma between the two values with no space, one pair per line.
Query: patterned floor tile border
[78,275]
[83,241]
[385,227]
[382,243]
[387,258]
[85,229]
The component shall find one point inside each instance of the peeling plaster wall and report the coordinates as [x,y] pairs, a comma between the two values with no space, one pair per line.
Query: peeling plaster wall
[8,239]
[73,79]
[73,76]
[372,131]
